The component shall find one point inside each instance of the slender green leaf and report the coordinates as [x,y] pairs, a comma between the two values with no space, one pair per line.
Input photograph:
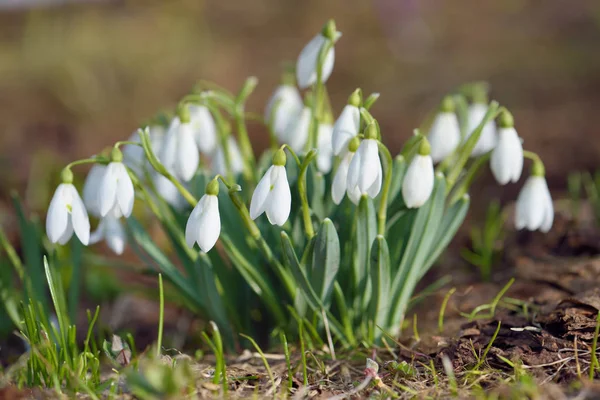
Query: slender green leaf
[325,261]
[365,230]
[380,279]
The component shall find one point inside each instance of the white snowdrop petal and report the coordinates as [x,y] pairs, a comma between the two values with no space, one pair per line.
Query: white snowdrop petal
[444,136]
[167,190]
[307,62]
[91,186]
[188,158]
[353,172]
[279,206]
[125,193]
[97,235]
[375,188]
[209,224]
[418,181]
[297,134]
[288,105]
[107,192]
[328,65]
[507,157]
[191,227]
[345,128]
[205,130]
[168,153]
[339,184]
[57,218]
[67,234]
[79,218]
[325,152]
[261,194]
[370,164]
[115,235]
[354,195]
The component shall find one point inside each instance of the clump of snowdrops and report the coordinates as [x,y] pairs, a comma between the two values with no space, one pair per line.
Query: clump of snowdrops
[325,228]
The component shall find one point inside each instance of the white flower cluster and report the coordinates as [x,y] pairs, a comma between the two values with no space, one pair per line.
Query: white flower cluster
[108,192]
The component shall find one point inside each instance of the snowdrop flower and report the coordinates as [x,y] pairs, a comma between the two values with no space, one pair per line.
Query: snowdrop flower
[90,188]
[297,131]
[204,225]
[180,152]
[444,135]
[507,157]
[365,172]
[235,158]
[67,214]
[205,130]
[116,189]
[418,181]
[325,152]
[111,230]
[272,195]
[340,180]
[306,66]
[487,140]
[535,209]
[283,106]
[347,125]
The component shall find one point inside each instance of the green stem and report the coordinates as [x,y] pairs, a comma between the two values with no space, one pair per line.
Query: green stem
[161,318]
[303,167]
[469,177]
[532,156]
[467,148]
[161,169]
[389,168]
[125,142]
[91,160]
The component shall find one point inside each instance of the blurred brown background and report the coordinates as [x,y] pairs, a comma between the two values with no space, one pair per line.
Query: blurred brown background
[78,76]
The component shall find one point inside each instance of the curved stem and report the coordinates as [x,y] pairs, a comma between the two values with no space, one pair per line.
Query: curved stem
[532,156]
[467,148]
[303,167]
[91,160]
[389,162]
[161,169]
[125,142]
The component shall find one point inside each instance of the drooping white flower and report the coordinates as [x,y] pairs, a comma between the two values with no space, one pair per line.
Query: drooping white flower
[306,66]
[116,190]
[67,214]
[205,130]
[179,152]
[90,189]
[111,230]
[534,209]
[286,104]
[272,194]
[325,152]
[418,180]
[340,181]
[507,157]
[345,128]
[487,140]
[297,131]
[204,225]
[444,135]
[365,173]
[235,158]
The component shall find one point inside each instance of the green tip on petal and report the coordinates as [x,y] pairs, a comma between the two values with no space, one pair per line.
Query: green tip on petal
[353,144]
[279,158]
[424,147]
[506,120]
[116,155]
[183,112]
[212,188]
[371,131]
[538,168]
[479,94]
[355,98]
[447,104]
[66,176]
[329,30]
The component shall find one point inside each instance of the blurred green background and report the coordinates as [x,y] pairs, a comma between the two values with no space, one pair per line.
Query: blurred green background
[77,76]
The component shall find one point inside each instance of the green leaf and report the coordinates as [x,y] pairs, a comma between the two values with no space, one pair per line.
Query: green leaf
[291,261]
[380,280]
[213,299]
[395,196]
[325,261]
[365,231]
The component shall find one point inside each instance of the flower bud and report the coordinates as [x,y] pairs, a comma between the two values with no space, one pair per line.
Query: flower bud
[353,145]
[66,176]
[329,31]
[424,147]
[371,131]
[212,188]
[355,98]
[279,158]
[506,120]
[116,155]
[447,104]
